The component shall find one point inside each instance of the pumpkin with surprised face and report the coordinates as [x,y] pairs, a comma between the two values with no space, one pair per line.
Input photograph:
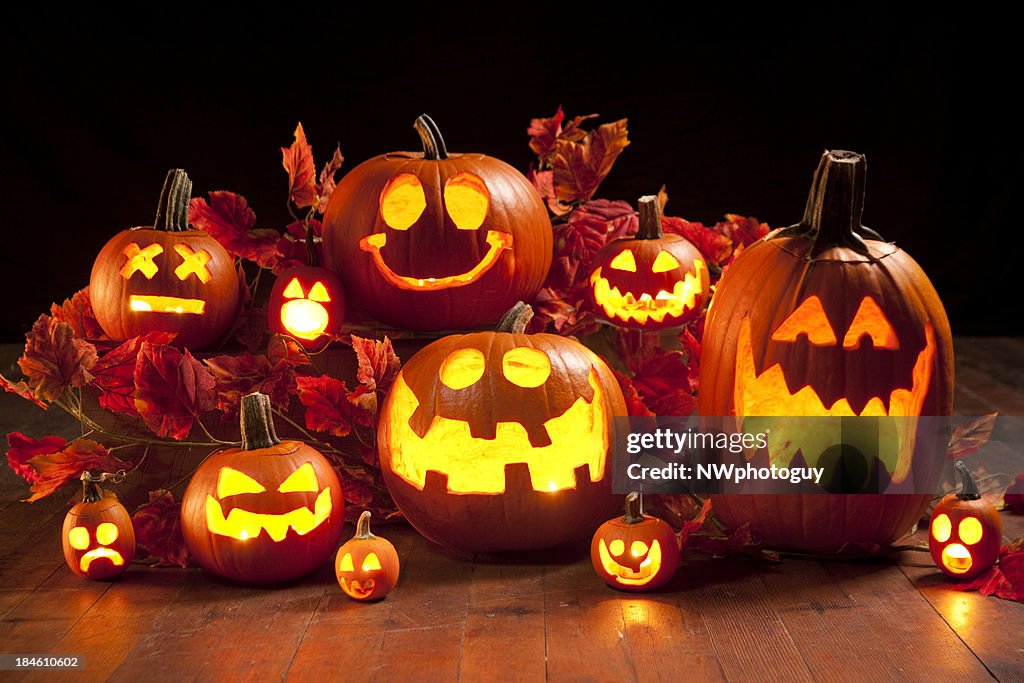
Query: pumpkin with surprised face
[966,531]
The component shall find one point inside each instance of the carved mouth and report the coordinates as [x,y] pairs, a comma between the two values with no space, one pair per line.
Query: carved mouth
[242,524]
[956,558]
[100,553]
[497,241]
[166,304]
[304,318]
[626,576]
[359,589]
[628,307]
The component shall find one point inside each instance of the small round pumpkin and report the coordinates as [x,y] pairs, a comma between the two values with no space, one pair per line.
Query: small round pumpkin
[966,531]
[98,536]
[366,565]
[166,278]
[435,240]
[307,302]
[269,511]
[499,441]
[635,552]
[651,280]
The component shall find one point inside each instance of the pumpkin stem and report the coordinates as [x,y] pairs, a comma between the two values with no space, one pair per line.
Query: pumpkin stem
[633,514]
[650,218]
[257,422]
[969,488]
[430,136]
[311,255]
[516,320]
[835,203]
[363,527]
[172,211]
[91,491]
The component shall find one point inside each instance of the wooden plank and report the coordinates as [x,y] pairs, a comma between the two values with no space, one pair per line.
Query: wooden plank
[666,638]
[991,391]
[39,621]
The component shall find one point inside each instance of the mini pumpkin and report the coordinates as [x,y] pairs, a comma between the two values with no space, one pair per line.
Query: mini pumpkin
[437,240]
[307,302]
[366,565]
[166,278]
[269,511]
[635,552]
[966,531]
[98,536]
[650,280]
[497,441]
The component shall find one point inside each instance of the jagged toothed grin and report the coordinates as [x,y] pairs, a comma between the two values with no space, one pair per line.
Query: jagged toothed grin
[497,242]
[242,524]
[633,307]
[357,588]
[100,553]
[630,577]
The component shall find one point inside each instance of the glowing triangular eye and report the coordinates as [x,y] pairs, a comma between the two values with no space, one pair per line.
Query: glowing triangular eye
[301,480]
[232,483]
[809,318]
[346,563]
[870,320]
[624,261]
[371,562]
[319,293]
[664,263]
[293,290]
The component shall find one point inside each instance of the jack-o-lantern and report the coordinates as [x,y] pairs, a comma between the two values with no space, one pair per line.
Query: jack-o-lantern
[966,531]
[98,536]
[366,565]
[307,302]
[437,240]
[166,278]
[269,511]
[635,552]
[824,318]
[497,441]
[651,280]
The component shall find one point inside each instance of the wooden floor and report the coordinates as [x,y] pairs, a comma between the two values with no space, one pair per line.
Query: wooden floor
[540,618]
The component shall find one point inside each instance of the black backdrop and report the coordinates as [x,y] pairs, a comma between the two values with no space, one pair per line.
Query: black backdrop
[731,115]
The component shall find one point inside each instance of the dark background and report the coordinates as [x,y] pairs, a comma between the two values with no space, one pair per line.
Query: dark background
[730,113]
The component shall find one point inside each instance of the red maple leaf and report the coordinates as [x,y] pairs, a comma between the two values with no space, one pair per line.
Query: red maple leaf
[544,183]
[77,312]
[238,375]
[172,389]
[546,132]
[581,165]
[1004,580]
[21,389]
[55,469]
[635,406]
[589,227]
[24,448]
[661,378]
[328,408]
[114,373]
[355,486]
[158,530]
[741,230]
[229,220]
[970,435]
[378,364]
[715,248]
[55,358]
[691,345]
[298,162]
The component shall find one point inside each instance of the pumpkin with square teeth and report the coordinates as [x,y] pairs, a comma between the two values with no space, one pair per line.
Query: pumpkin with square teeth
[435,240]
[635,552]
[166,278]
[98,535]
[366,565]
[651,280]
[965,532]
[269,511]
[824,318]
[497,441]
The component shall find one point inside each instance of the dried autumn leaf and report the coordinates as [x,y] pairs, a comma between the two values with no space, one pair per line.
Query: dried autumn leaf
[229,220]
[238,375]
[172,389]
[692,526]
[53,470]
[635,406]
[378,363]
[55,358]
[691,346]
[298,162]
[544,183]
[1004,580]
[327,406]
[326,185]
[662,380]
[355,486]
[741,230]
[77,312]
[281,348]
[546,132]
[158,530]
[114,373]
[1013,499]
[23,448]
[581,165]
[715,248]
[21,389]
[969,436]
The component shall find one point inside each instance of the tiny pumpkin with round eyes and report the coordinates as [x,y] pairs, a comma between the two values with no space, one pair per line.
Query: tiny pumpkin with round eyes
[651,280]
[307,302]
[98,536]
[366,565]
[635,552]
[966,531]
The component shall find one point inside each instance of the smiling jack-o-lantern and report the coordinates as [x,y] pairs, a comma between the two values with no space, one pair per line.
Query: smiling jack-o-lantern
[650,280]
[366,565]
[166,278]
[98,536]
[966,531]
[269,511]
[498,441]
[635,552]
[307,302]
[826,319]
[437,241]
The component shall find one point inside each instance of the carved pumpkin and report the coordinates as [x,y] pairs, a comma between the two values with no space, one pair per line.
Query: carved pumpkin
[98,536]
[366,565]
[635,552]
[497,441]
[307,302]
[824,318]
[269,511]
[437,241]
[166,278]
[650,280]
[966,531]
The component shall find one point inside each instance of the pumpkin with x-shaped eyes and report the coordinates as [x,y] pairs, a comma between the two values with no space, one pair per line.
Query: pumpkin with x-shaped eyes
[435,240]
[166,278]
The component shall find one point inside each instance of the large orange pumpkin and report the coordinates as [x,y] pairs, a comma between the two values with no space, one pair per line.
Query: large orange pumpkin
[497,441]
[434,240]
[826,318]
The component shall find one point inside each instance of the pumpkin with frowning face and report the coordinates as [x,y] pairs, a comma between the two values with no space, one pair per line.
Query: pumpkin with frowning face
[366,565]
[437,241]
[635,552]
[826,319]
[98,535]
[966,531]
[499,441]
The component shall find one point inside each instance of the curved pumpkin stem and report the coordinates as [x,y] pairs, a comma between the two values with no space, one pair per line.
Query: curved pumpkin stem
[516,319]
[257,424]
[650,218]
[430,136]
[311,255]
[835,204]
[172,210]
[363,527]
[969,488]
[633,514]
[91,491]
